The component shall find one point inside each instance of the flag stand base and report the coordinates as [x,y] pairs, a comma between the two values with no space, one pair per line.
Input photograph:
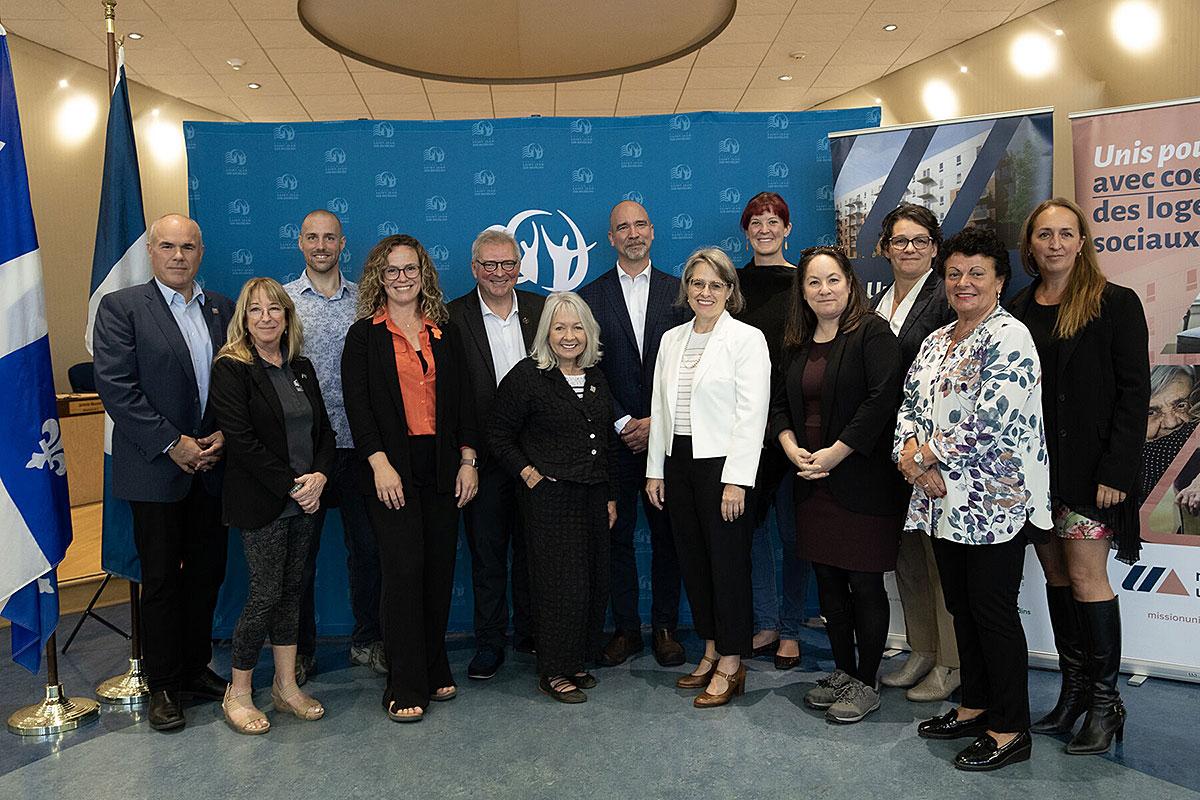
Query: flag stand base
[129,689]
[57,713]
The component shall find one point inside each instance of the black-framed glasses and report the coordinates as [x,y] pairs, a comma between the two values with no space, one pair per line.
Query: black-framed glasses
[919,243]
[492,266]
[409,271]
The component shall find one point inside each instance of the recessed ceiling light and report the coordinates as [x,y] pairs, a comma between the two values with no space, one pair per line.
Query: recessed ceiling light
[236,63]
[798,55]
[1058,31]
[889,28]
[963,69]
[134,35]
[253,85]
[1136,25]
[63,83]
[785,77]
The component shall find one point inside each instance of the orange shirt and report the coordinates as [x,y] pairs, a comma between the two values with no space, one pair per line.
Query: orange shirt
[418,387]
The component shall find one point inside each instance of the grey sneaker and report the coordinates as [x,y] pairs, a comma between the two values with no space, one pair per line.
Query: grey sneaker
[306,667]
[369,655]
[826,692]
[854,702]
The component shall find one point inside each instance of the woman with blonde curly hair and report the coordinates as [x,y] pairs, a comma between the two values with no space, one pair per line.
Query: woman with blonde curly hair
[408,403]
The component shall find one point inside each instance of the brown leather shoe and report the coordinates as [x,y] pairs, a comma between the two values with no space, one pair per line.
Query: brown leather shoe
[621,646]
[736,685]
[691,681]
[667,651]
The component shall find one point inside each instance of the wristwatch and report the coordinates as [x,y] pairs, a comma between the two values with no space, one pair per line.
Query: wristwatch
[919,458]
[469,462]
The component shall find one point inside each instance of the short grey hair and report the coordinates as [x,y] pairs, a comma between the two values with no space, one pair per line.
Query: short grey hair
[714,257]
[543,354]
[1164,374]
[494,236]
[152,231]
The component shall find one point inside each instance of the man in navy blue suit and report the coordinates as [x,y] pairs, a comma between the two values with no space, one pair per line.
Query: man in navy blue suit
[634,305]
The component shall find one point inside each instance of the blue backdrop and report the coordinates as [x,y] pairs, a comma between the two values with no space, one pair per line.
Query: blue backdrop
[550,181]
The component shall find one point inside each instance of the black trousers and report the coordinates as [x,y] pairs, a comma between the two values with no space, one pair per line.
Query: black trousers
[664,563]
[856,611]
[567,528]
[275,555]
[714,555]
[417,547]
[362,559]
[182,547]
[981,584]
[493,523]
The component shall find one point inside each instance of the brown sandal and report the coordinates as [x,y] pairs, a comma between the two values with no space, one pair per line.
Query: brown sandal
[242,715]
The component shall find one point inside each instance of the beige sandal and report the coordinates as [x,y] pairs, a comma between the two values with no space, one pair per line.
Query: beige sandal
[242,715]
[297,703]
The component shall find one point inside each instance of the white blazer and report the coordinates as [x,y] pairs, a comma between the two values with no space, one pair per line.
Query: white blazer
[731,393]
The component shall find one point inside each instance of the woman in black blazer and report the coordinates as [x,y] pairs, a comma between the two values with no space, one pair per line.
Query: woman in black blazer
[915,305]
[552,426]
[1092,340]
[279,447]
[409,404]
[833,409]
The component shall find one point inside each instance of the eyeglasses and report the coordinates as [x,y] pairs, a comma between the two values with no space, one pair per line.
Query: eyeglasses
[697,285]
[919,243]
[492,266]
[258,311]
[410,271]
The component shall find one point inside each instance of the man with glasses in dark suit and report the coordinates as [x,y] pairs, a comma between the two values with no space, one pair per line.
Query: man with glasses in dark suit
[634,305]
[497,324]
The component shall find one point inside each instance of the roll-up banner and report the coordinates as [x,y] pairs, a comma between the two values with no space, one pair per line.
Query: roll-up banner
[550,181]
[1137,177]
[986,170]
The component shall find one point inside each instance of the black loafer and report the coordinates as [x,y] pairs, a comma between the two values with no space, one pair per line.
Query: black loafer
[526,645]
[984,754]
[786,662]
[584,680]
[206,685]
[485,664]
[165,713]
[949,726]
[620,647]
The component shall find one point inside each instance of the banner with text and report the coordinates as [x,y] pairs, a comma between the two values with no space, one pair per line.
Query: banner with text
[550,181]
[988,171]
[1137,177]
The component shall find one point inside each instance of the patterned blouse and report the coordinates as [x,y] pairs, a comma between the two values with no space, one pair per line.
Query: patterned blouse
[979,408]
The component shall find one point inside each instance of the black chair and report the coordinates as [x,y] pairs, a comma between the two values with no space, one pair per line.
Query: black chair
[82,377]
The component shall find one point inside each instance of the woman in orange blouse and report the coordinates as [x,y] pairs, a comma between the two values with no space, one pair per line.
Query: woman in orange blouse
[408,403]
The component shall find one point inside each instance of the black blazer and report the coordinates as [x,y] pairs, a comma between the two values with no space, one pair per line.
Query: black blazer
[630,374]
[146,381]
[1103,391]
[375,406]
[930,311]
[258,474]
[539,420]
[466,314]
[859,400]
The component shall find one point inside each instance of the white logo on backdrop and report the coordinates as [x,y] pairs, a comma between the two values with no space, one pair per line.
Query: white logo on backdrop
[568,257]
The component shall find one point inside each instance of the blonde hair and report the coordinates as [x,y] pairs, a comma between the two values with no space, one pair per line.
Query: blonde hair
[238,344]
[1081,300]
[371,294]
[714,257]
[543,354]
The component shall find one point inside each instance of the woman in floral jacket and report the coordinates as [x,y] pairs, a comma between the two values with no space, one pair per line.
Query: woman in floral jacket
[969,439]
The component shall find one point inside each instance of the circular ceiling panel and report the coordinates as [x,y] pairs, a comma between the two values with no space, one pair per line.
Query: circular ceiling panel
[515,41]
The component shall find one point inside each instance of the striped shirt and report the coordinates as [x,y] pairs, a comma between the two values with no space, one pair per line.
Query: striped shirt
[577,382]
[687,368]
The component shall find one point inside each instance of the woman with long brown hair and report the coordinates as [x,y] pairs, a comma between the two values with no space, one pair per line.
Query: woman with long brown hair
[1091,337]
[408,401]
[833,408]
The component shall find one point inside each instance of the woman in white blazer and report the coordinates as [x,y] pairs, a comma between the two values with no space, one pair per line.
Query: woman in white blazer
[712,390]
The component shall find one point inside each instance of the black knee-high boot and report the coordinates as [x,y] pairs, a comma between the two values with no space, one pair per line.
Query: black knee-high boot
[1101,624]
[1073,696]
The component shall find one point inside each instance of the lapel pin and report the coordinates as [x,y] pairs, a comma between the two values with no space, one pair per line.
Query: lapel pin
[591,388]
[216,311]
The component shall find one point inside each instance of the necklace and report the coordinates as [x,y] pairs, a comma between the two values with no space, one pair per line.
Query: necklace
[683,358]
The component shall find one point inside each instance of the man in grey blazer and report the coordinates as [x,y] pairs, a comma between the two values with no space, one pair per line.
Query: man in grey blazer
[497,324]
[153,347]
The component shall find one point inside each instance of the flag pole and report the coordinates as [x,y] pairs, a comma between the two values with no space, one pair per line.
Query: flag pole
[130,688]
[57,713]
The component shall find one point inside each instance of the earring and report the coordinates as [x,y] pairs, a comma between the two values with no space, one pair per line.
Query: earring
[785,243]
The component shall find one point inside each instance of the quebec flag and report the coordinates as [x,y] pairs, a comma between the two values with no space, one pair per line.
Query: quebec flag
[120,260]
[35,514]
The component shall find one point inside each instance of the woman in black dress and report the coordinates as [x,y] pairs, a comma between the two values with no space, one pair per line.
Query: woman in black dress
[1092,339]
[552,426]
[833,408]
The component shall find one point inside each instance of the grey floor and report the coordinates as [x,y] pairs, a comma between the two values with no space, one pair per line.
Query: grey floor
[636,737]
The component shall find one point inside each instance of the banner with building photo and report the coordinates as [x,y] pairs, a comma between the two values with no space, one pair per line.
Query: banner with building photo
[987,170]
[1137,176]
[550,181]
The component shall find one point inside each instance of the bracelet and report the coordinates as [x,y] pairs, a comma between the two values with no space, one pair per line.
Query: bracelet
[469,462]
